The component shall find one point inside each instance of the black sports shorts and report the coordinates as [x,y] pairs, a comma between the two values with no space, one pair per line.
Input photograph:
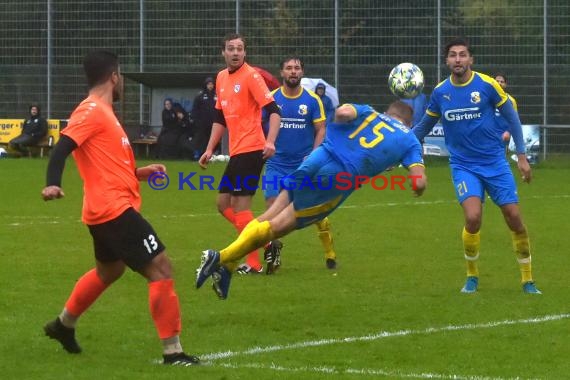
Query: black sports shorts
[242,174]
[129,238]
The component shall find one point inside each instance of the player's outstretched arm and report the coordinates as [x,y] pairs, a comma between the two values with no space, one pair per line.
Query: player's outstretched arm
[144,172]
[424,126]
[56,164]
[418,179]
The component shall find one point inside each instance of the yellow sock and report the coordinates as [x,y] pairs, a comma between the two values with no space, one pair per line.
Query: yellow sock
[521,246]
[253,236]
[471,244]
[326,238]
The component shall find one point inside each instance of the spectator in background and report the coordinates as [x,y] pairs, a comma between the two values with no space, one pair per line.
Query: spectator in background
[186,133]
[418,104]
[203,117]
[170,133]
[320,90]
[35,128]
[168,114]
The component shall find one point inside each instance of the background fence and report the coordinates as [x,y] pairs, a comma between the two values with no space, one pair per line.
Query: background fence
[350,44]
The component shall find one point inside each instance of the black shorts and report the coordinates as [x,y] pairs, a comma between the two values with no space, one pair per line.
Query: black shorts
[129,238]
[242,174]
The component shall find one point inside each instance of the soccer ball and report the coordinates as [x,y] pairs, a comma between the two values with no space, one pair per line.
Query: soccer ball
[406,80]
[3,153]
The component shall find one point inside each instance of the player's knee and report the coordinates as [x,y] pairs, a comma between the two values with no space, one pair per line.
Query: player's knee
[473,222]
[159,268]
[110,272]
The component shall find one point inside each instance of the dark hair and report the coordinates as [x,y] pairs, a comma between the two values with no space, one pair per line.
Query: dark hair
[457,41]
[99,65]
[501,74]
[401,111]
[233,36]
[292,58]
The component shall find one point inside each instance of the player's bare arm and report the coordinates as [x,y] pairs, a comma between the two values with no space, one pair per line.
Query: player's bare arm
[215,137]
[524,168]
[144,172]
[418,180]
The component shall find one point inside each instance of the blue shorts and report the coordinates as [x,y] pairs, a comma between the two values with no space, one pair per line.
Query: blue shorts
[313,188]
[270,182]
[500,186]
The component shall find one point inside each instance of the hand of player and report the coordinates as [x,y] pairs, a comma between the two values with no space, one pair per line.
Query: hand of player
[204,159]
[268,150]
[146,171]
[524,168]
[52,192]
[418,180]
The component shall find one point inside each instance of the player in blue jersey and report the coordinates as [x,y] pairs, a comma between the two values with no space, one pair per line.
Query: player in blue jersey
[302,130]
[506,135]
[361,143]
[466,102]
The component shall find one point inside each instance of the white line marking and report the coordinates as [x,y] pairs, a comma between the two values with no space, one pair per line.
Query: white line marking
[29,220]
[361,371]
[381,335]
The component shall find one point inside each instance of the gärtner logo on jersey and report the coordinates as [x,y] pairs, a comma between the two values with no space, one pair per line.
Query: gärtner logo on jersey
[462,114]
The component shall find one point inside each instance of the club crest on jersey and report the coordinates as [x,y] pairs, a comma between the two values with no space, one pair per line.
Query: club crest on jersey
[236,88]
[303,109]
[475,97]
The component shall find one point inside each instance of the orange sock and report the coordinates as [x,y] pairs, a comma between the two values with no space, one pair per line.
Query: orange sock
[87,289]
[164,308]
[242,219]
[229,214]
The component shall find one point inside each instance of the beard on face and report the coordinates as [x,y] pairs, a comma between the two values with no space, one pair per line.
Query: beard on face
[292,82]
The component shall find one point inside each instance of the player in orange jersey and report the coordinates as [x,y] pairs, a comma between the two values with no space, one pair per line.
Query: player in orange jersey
[111,204]
[241,93]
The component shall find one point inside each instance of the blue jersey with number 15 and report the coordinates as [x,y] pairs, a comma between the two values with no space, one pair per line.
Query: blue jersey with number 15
[372,142]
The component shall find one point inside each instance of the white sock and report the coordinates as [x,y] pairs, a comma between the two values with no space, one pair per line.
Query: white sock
[171,345]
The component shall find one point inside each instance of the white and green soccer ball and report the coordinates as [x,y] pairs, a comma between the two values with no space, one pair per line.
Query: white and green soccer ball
[406,80]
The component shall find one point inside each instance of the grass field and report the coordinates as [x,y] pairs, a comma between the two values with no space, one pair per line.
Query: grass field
[391,310]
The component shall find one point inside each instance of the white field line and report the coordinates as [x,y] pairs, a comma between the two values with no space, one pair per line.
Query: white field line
[375,372]
[380,335]
[19,221]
